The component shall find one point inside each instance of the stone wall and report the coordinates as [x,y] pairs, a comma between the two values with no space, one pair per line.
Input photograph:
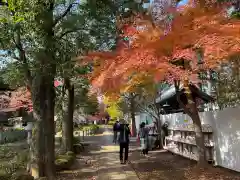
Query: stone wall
[12,136]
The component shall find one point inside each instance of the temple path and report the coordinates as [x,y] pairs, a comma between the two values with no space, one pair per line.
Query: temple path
[101,160]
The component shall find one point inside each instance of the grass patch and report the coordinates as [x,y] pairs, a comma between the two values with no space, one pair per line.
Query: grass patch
[111,122]
[90,127]
[236,15]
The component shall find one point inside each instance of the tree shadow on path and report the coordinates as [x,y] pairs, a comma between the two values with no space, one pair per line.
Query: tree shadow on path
[162,165]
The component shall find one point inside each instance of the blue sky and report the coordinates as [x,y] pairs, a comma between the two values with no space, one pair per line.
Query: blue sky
[183,2]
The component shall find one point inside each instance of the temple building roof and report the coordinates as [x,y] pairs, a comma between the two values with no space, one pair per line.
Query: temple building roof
[168,101]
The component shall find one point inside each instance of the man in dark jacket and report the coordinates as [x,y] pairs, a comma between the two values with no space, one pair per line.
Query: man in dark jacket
[124,142]
[115,131]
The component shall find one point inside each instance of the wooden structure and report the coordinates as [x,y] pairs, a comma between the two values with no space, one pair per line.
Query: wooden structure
[181,141]
[168,100]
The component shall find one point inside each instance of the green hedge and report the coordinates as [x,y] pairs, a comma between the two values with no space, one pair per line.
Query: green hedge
[236,15]
[91,127]
[111,122]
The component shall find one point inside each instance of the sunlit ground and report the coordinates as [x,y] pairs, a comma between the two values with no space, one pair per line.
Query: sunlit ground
[102,161]
[106,133]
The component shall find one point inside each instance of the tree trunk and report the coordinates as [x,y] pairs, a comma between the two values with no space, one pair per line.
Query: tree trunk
[159,131]
[192,111]
[48,62]
[132,110]
[38,142]
[50,131]
[67,125]
[43,97]
[199,135]
[134,130]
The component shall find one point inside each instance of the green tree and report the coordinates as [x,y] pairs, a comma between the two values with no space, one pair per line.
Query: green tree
[77,40]
[32,32]
[12,75]
[86,103]
[113,108]
[35,33]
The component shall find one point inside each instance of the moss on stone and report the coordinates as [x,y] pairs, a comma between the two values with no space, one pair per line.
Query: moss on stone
[64,161]
[70,153]
[61,161]
[4,176]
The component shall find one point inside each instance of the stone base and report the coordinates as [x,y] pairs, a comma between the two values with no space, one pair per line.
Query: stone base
[34,171]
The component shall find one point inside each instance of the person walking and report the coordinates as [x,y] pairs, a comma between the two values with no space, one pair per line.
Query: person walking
[124,141]
[152,135]
[143,135]
[115,131]
[164,131]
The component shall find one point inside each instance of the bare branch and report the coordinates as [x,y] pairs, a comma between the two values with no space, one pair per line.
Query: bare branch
[22,55]
[131,96]
[59,18]
[14,56]
[72,31]
[146,110]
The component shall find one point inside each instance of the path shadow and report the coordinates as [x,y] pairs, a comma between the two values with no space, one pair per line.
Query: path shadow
[163,165]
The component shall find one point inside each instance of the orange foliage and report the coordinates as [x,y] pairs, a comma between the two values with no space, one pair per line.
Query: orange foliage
[21,98]
[208,29]
[152,52]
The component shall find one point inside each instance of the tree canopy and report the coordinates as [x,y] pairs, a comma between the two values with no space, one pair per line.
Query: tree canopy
[153,51]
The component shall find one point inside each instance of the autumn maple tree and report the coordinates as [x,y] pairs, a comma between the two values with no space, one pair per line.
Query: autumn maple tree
[152,50]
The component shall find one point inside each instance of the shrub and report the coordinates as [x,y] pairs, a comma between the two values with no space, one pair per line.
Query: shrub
[4,175]
[64,161]
[236,15]
[70,153]
[59,162]
[76,139]
[111,122]
[78,148]
[92,127]
[12,163]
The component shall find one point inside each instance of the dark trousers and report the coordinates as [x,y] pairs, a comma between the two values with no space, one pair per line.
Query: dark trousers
[115,136]
[145,151]
[126,147]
